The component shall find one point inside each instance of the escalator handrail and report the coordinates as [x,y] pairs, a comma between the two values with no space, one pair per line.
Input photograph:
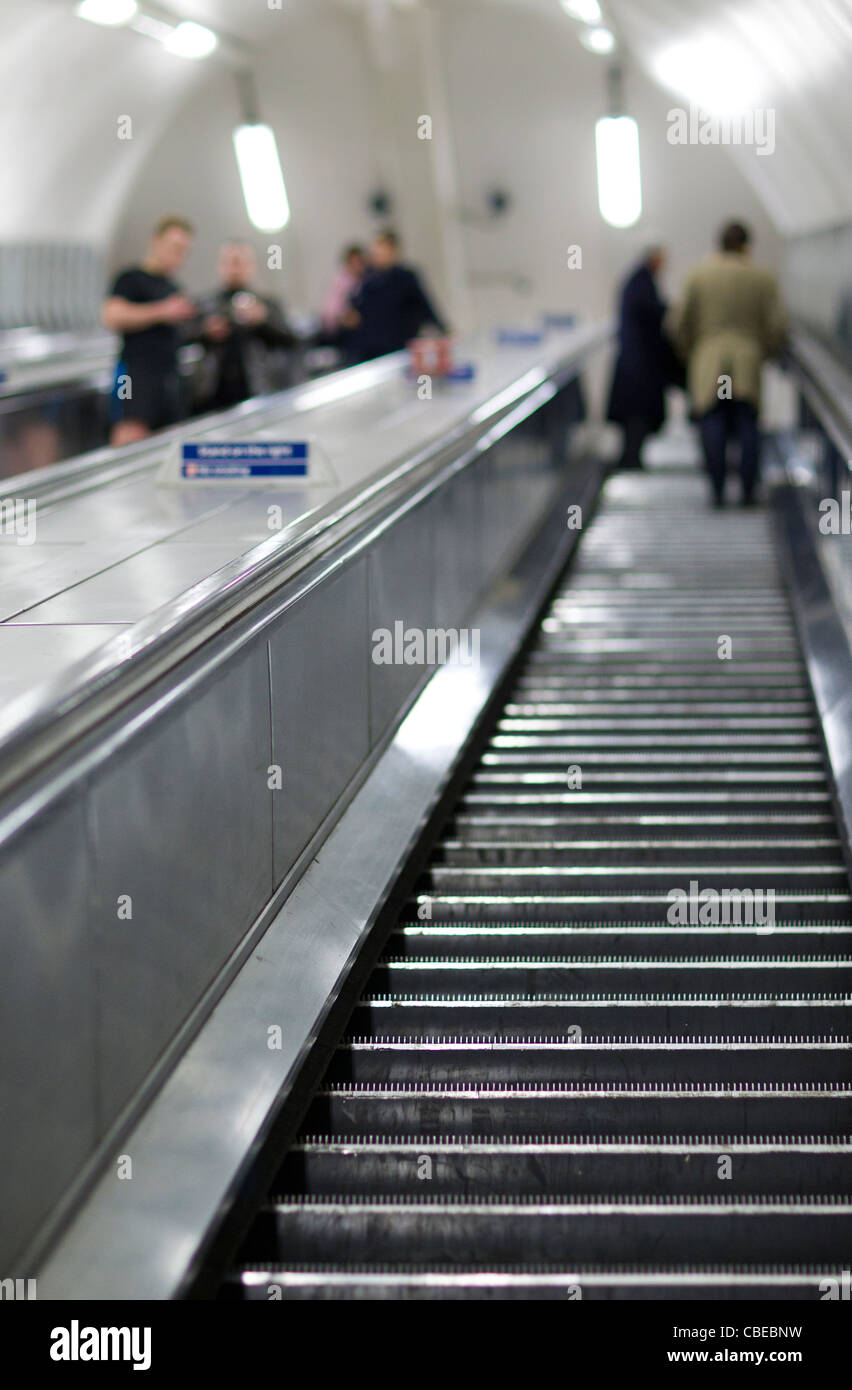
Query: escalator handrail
[825,382]
[41,725]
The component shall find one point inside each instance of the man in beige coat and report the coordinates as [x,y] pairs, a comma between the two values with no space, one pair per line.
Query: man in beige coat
[729,320]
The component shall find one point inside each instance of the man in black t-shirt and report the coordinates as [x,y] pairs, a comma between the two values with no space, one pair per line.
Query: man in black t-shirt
[390,306]
[147,307]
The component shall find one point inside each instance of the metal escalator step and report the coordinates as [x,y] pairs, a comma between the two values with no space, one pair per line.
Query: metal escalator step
[374,1165]
[597,1058]
[546,722]
[685,799]
[563,825]
[592,974]
[619,1109]
[507,1016]
[590,878]
[531,753]
[651,907]
[552,852]
[331,1282]
[379,1230]
[625,941]
[605,779]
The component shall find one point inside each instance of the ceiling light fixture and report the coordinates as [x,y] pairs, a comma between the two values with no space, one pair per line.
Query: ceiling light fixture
[261,177]
[112,12]
[191,40]
[588,11]
[619,171]
[598,40]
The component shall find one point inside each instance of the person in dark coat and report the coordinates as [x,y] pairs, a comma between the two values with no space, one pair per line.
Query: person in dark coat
[390,306]
[242,332]
[646,362]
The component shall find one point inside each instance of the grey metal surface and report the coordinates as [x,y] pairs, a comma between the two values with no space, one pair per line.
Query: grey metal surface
[181,829]
[318,670]
[824,383]
[194,1143]
[48,1088]
[36,361]
[825,640]
[30,652]
[401,589]
[383,442]
[727,1281]
[525,1073]
[130,590]
[173,762]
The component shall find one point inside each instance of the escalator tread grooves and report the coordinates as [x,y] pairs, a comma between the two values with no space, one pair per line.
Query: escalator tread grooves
[681,751]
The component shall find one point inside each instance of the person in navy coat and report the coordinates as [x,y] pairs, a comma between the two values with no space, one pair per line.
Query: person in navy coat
[390,306]
[646,362]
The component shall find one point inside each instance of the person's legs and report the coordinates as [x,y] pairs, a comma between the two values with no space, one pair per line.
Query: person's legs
[748,434]
[135,411]
[714,438]
[128,432]
[636,431]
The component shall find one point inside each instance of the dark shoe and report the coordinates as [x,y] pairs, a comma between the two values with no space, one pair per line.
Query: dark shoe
[717,500]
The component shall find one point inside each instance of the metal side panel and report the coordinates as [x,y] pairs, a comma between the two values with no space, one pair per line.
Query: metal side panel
[47,1044]
[402,590]
[825,644]
[459,545]
[196,1142]
[182,830]
[318,656]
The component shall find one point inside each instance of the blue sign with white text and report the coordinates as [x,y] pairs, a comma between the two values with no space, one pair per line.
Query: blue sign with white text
[519,337]
[259,459]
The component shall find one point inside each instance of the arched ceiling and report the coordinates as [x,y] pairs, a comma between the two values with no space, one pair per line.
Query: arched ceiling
[66,82]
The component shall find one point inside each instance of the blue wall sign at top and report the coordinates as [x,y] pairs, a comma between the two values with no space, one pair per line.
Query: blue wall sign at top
[519,337]
[255,460]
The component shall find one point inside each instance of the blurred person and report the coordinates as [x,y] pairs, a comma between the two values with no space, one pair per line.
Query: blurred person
[147,307]
[729,320]
[390,306]
[353,266]
[239,329]
[646,362]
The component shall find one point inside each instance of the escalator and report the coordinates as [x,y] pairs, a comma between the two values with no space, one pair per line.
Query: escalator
[606,1052]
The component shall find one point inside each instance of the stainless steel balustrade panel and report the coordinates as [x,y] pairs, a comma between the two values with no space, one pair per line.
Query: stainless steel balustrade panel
[47,1041]
[24,570]
[128,591]
[516,483]
[182,824]
[459,546]
[29,653]
[318,659]
[402,589]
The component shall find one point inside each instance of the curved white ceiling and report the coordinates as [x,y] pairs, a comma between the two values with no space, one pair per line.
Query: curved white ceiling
[791,56]
[66,83]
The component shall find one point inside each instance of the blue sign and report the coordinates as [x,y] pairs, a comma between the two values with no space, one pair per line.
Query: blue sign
[560,320]
[256,460]
[519,337]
